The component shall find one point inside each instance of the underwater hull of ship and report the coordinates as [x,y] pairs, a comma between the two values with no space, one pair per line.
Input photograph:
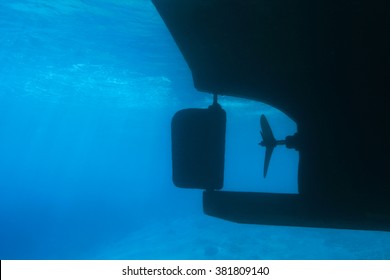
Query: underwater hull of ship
[325,64]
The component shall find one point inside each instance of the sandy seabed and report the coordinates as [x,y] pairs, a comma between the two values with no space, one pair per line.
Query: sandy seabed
[201,237]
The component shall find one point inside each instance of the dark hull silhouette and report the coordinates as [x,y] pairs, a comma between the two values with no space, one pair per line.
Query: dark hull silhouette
[326,64]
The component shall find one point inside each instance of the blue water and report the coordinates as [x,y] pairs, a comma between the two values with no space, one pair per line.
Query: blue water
[87,92]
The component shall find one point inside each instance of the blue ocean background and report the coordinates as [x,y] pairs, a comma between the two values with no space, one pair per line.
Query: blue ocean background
[87,92]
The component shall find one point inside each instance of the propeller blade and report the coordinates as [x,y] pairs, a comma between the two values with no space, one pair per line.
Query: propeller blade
[268,136]
[269,142]
[267,159]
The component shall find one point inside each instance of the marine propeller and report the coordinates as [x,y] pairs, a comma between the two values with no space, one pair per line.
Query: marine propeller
[269,141]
